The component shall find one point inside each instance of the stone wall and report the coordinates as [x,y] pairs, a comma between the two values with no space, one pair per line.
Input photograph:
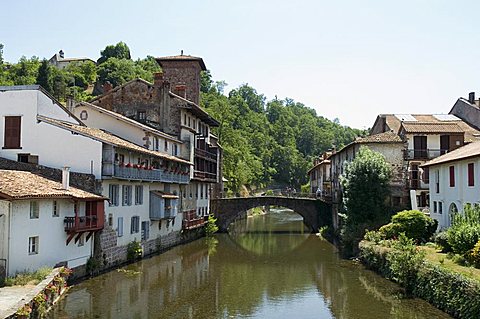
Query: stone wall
[83,181]
[184,73]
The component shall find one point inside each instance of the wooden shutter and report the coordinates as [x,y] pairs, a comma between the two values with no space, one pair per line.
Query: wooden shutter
[471,175]
[12,132]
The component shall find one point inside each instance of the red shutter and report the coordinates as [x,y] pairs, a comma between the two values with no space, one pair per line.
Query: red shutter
[12,132]
[471,175]
[452,176]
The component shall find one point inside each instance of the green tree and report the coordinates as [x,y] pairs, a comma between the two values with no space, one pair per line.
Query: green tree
[1,54]
[365,190]
[44,77]
[119,51]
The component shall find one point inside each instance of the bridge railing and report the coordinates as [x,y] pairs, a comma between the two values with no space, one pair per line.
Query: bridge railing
[325,197]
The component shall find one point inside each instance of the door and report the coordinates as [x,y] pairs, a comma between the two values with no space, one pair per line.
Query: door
[444,144]
[420,147]
[414,176]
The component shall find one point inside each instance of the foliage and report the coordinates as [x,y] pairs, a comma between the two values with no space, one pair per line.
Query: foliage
[269,192]
[212,243]
[366,187]
[373,236]
[413,223]
[134,251]
[441,239]
[40,305]
[24,311]
[405,260]
[465,230]
[473,255]
[24,278]
[119,51]
[211,225]
[93,265]
[43,77]
[305,189]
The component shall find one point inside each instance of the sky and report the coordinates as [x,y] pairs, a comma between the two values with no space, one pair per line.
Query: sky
[347,59]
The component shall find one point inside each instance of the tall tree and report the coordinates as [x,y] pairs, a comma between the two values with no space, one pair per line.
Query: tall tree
[44,77]
[119,51]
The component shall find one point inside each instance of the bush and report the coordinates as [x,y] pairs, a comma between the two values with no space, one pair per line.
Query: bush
[413,223]
[211,226]
[465,230]
[473,256]
[441,239]
[134,250]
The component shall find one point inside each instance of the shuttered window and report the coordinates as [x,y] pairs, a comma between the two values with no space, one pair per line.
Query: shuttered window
[12,132]
[471,175]
[452,176]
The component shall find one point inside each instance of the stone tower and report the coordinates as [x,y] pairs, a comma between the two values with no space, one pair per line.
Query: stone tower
[183,73]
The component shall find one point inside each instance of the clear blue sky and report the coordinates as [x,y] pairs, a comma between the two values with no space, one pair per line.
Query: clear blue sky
[347,59]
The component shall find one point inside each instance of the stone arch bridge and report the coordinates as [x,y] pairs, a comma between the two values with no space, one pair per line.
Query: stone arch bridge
[315,212]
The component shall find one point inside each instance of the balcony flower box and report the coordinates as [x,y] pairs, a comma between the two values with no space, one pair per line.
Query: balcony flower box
[128,165]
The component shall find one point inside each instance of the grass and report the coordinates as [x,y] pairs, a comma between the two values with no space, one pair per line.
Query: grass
[436,257]
[28,278]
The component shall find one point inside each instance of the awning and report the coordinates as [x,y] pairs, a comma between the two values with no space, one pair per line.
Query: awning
[164,194]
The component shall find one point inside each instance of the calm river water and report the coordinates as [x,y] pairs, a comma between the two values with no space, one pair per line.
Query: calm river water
[268,267]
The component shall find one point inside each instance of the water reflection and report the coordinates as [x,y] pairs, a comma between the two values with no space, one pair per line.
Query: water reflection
[244,275]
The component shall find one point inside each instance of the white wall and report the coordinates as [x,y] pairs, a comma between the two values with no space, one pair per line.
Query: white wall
[460,195]
[55,147]
[52,237]
[4,231]
[433,141]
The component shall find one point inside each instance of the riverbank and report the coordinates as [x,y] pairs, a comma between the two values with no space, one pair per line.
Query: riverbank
[447,290]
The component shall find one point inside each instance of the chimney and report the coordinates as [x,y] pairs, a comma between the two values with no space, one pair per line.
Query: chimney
[181,90]
[157,79]
[66,177]
[107,87]
[61,54]
[471,97]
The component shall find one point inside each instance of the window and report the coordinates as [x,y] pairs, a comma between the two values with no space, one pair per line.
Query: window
[127,195]
[426,175]
[113,192]
[437,181]
[55,209]
[138,195]
[201,191]
[120,226]
[175,149]
[196,193]
[435,209]
[189,121]
[440,208]
[166,146]
[134,224]
[12,132]
[33,245]
[141,116]
[110,220]
[452,176]
[34,211]
[471,175]
[156,144]
[184,119]
[145,230]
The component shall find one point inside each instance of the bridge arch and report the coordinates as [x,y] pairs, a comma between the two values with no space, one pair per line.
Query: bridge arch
[315,212]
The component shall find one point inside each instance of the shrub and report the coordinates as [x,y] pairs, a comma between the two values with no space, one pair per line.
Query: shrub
[134,250]
[211,226]
[473,256]
[413,223]
[405,261]
[465,230]
[441,239]
[374,236]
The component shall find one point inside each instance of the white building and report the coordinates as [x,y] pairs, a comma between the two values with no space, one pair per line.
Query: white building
[60,62]
[454,182]
[44,223]
[320,181]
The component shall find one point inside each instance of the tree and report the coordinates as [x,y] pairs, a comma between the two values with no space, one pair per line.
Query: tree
[119,51]
[365,189]
[1,54]
[44,77]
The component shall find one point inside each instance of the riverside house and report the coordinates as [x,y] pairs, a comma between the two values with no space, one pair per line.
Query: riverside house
[319,174]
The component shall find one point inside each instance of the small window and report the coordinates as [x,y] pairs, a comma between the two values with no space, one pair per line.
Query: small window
[440,207]
[110,220]
[33,245]
[155,144]
[113,194]
[166,146]
[145,230]
[471,175]
[138,195]
[120,226]
[452,176]
[435,209]
[196,192]
[201,191]
[135,224]
[189,122]
[34,211]
[437,181]
[184,119]
[12,132]
[141,116]
[55,212]
[127,195]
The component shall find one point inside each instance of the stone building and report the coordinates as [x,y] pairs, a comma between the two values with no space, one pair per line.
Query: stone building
[60,62]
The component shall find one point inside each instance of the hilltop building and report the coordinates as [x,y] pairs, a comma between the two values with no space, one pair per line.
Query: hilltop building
[60,62]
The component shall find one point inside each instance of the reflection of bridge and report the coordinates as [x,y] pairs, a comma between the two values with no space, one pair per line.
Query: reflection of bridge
[315,212]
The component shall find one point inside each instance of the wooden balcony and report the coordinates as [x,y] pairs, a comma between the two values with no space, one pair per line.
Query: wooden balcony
[153,175]
[207,155]
[90,223]
[423,154]
[205,176]
[193,223]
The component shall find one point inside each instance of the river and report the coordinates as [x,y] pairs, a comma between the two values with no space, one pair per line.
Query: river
[269,266]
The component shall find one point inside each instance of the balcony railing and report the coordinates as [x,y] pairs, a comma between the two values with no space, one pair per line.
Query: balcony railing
[160,175]
[425,154]
[83,223]
[416,183]
[193,223]
[205,176]
[205,154]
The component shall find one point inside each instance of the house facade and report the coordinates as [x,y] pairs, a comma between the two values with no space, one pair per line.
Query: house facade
[319,175]
[60,62]
[44,223]
[455,182]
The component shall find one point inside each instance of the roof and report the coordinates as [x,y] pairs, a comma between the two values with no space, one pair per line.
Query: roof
[26,185]
[36,87]
[464,152]
[181,57]
[121,86]
[431,127]
[324,162]
[107,138]
[197,110]
[74,59]
[128,120]
[386,137]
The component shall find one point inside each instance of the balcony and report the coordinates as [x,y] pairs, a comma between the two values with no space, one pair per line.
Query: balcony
[423,154]
[83,223]
[193,223]
[210,156]
[160,175]
[416,183]
[205,176]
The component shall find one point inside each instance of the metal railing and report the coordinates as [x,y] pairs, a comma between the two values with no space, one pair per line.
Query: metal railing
[423,153]
[161,175]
